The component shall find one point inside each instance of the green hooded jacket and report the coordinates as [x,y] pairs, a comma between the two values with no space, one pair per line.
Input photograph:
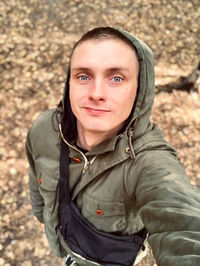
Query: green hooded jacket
[135,179]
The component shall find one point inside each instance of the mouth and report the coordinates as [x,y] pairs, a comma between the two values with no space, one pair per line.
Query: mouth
[96,111]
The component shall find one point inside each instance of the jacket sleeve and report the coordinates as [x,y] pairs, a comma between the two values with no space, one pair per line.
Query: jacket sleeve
[37,201]
[170,210]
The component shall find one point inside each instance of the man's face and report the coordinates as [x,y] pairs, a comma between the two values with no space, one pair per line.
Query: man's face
[103,85]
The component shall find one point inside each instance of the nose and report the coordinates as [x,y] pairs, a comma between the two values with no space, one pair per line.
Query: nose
[97,92]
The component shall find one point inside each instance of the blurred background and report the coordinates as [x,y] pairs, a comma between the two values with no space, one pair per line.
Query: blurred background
[36,38]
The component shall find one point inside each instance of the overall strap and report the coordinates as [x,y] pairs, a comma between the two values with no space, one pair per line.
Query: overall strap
[64,192]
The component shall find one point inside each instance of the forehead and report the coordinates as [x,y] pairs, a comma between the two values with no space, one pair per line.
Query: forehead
[105,51]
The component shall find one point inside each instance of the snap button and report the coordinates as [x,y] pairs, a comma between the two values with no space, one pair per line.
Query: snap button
[99,212]
[40,180]
[127,150]
[77,160]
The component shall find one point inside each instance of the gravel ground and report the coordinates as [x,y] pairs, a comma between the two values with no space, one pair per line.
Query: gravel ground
[35,39]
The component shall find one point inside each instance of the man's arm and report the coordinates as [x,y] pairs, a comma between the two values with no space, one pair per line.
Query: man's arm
[35,196]
[170,209]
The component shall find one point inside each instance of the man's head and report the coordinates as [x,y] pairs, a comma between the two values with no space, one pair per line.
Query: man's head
[103,80]
[104,33]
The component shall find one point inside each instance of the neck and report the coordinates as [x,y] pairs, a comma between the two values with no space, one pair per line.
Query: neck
[89,139]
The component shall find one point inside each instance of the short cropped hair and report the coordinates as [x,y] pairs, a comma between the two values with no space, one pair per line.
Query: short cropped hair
[102,33]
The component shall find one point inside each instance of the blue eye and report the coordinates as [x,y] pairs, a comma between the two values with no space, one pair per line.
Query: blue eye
[117,79]
[82,77]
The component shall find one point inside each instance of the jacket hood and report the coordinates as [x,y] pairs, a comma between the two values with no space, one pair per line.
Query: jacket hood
[146,87]
[140,115]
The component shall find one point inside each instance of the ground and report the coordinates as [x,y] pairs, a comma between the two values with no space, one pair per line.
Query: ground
[36,38]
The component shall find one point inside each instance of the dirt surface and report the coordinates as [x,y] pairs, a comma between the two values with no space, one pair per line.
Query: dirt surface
[35,39]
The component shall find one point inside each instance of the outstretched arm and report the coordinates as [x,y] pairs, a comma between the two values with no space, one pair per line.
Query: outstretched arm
[170,209]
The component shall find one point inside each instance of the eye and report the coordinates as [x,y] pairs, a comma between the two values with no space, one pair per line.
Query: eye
[83,77]
[117,79]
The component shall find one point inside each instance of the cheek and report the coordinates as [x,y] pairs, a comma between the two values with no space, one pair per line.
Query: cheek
[76,91]
[126,104]
[72,98]
[130,102]
[127,98]
[73,94]
[77,99]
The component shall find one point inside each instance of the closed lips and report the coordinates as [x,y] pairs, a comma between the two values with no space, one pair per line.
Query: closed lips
[96,110]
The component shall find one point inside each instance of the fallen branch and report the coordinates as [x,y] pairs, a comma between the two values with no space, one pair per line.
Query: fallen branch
[188,83]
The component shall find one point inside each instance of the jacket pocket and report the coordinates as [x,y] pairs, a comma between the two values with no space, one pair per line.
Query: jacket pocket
[104,215]
[48,187]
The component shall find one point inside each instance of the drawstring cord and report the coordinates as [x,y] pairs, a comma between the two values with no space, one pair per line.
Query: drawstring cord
[131,132]
[58,111]
[86,162]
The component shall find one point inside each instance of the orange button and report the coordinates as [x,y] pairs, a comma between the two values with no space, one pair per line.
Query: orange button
[40,180]
[99,212]
[77,160]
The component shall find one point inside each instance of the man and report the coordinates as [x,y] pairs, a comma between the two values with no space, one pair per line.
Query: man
[123,177]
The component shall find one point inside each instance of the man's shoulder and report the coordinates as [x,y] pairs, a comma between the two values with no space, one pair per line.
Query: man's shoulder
[153,141]
[44,118]
[44,126]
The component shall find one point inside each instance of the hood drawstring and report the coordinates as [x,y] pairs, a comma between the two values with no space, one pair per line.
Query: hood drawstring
[56,116]
[131,132]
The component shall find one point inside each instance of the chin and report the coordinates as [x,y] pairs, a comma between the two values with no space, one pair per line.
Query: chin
[102,128]
[97,129]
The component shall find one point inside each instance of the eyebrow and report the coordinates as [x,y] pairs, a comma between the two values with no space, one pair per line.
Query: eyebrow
[111,69]
[83,69]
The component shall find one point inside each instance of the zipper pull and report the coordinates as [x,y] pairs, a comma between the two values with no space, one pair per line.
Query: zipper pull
[86,167]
